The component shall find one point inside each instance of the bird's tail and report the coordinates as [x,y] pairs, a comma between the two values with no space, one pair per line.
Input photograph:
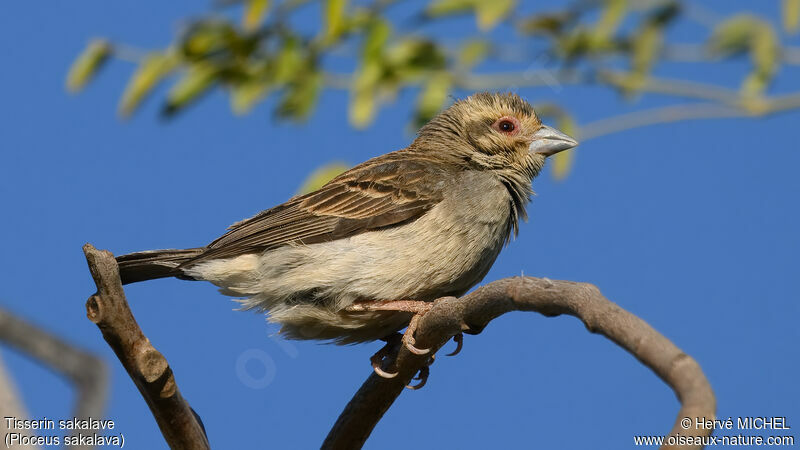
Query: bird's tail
[149,265]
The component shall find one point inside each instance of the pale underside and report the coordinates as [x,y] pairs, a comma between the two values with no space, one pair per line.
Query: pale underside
[305,287]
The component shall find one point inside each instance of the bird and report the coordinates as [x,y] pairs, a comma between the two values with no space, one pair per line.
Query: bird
[364,255]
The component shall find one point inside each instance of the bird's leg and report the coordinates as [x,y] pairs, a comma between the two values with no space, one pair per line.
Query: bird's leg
[418,308]
[412,306]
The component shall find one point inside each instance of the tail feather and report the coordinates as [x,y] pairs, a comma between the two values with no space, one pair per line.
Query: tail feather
[149,265]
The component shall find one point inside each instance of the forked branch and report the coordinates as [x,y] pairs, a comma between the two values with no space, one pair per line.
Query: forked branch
[146,366]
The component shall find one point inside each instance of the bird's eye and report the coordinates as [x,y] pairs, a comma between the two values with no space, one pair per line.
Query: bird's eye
[506,125]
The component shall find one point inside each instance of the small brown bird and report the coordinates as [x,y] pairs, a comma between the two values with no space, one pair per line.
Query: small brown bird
[355,260]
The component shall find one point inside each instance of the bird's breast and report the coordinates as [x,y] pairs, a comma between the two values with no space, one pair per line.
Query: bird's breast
[446,251]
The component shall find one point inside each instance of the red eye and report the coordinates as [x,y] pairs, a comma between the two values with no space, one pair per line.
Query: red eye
[507,125]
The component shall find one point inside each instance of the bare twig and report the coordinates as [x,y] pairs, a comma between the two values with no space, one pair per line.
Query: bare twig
[87,372]
[471,313]
[674,87]
[667,114]
[756,107]
[146,366]
[702,14]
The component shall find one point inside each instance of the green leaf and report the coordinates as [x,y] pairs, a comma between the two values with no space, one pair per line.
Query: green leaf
[765,50]
[791,16]
[646,47]
[245,96]
[545,24]
[255,11]
[334,19]
[88,64]
[198,79]
[749,33]
[473,52]
[363,97]
[363,94]
[575,43]
[610,19]
[733,35]
[288,62]
[153,68]
[432,97]
[414,57]
[301,95]
[489,13]
[361,110]
[250,84]
[563,161]
[375,40]
[663,14]
[754,84]
[322,176]
[439,8]
[210,39]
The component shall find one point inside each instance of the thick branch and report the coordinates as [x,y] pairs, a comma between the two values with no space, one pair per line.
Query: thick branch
[146,366]
[450,316]
[87,372]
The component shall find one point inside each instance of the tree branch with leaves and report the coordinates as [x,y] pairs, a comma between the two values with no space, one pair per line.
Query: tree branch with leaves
[611,44]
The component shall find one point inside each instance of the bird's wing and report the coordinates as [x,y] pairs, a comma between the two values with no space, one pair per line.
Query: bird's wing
[381,192]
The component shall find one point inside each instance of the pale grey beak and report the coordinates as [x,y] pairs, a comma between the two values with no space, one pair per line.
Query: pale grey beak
[549,141]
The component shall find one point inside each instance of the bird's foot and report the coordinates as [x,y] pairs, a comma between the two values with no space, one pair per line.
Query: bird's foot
[418,308]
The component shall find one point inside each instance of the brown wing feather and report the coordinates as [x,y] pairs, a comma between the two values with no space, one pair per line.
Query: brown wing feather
[381,192]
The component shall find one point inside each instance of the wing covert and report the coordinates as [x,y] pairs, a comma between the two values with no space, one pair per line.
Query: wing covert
[381,192]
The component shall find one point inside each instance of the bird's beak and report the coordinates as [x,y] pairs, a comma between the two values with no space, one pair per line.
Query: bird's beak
[549,141]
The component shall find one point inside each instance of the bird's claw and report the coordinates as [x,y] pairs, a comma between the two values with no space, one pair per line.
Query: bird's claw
[376,360]
[417,351]
[408,337]
[422,376]
[459,340]
[376,367]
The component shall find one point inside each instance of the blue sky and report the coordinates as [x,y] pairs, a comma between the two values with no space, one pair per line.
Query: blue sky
[692,226]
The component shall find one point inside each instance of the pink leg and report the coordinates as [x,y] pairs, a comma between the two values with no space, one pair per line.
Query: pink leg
[418,308]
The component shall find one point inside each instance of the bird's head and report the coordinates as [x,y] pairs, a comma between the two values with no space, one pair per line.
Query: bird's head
[499,132]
